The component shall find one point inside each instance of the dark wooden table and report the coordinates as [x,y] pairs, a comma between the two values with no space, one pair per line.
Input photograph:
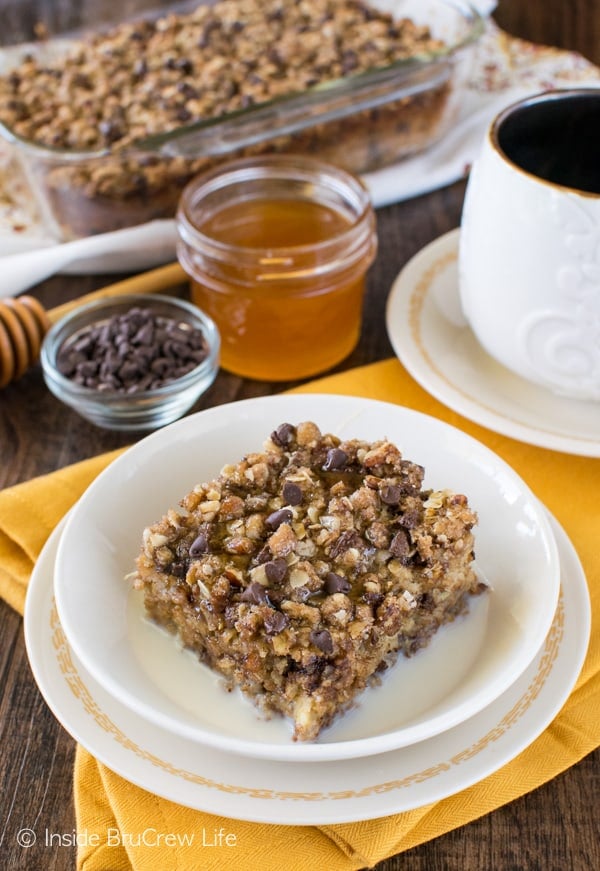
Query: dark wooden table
[555,828]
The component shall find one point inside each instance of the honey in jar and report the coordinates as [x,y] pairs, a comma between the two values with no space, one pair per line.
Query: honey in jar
[277,249]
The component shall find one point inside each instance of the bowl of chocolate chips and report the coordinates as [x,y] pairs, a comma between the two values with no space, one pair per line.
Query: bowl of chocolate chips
[134,362]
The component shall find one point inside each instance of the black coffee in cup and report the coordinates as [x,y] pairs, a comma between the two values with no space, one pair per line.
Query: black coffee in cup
[555,136]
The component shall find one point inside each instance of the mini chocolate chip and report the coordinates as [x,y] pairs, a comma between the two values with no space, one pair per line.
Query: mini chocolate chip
[185,65]
[292,493]
[264,555]
[426,601]
[282,515]
[187,90]
[87,368]
[144,335]
[122,347]
[110,362]
[255,594]
[173,348]
[335,583]
[143,384]
[411,518]
[67,363]
[322,639]
[110,129]
[140,68]
[349,538]
[109,383]
[84,344]
[372,598]
[336,460]
[390,494]
[128,371]
[276,570]
[400,545]
[275,622]
[349,61]
[160,366]
[199,545]
[283,435]
[179,569]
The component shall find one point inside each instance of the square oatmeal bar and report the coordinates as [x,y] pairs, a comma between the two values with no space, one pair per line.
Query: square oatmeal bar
[302,571]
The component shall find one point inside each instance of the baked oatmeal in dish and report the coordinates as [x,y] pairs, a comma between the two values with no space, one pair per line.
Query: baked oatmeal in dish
[154,75]
[302,571]
[77,113]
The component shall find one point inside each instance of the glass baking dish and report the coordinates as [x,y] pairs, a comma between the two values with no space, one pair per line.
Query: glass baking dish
[360,122]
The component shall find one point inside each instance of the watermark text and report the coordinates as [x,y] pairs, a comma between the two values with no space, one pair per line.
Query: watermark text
[149,837]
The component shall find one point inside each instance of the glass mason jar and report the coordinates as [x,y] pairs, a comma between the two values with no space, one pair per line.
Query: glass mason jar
[277,249]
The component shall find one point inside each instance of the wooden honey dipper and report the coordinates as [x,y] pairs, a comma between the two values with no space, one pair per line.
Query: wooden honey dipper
[24,321]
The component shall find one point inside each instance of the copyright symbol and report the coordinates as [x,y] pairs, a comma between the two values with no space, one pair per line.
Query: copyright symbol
[26,838]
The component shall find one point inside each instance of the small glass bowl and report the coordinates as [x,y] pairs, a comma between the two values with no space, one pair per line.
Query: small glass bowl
[141,409]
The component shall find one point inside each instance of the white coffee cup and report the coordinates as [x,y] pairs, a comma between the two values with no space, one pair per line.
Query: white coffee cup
[529,261]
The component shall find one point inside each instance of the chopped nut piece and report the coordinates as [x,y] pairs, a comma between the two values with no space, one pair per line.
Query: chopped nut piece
[283,541]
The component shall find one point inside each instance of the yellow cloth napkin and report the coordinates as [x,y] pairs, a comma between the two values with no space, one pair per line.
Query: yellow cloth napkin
[106,804]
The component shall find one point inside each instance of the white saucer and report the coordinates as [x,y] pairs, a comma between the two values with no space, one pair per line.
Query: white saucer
[321,793]
[433,341]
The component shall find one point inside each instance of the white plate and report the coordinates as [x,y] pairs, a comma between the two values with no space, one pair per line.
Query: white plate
[316,793]
[433,341]
[515,548]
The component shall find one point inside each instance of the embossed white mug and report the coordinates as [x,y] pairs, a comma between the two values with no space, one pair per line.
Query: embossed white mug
[529,261]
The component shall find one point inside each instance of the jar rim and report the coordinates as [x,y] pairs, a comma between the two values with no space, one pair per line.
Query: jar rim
[276,167]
